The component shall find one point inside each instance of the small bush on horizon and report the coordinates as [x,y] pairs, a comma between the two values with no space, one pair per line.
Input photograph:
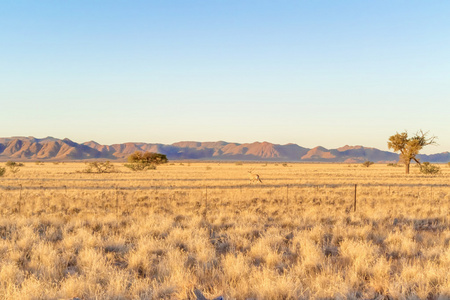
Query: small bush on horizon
[99,167]
[368,163]
[13,166]
[427,168]
[392,165]
[10,163]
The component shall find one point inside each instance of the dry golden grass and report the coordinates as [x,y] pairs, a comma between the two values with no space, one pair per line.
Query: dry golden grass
[162,233]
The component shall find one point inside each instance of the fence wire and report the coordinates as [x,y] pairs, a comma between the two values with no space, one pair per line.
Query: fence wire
[200,187]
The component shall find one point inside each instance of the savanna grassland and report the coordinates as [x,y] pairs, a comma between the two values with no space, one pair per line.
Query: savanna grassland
[162,233]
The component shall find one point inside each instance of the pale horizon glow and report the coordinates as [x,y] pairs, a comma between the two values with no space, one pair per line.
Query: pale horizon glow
[312,73]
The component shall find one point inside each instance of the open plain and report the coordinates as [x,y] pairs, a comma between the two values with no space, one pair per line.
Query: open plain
[162,233]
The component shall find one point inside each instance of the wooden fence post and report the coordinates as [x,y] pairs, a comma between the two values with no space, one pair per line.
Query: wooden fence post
[240,196]
[431,193]
[354,201]
[287,194]
[206,201]
[117,202]
[20,198]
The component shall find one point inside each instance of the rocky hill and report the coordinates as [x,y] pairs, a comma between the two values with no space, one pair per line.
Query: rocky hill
[49,148]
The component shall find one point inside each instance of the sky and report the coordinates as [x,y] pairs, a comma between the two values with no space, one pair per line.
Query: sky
[328,73]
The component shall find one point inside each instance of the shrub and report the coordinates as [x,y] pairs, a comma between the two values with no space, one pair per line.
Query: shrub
[427,168]
[141,161]
[368,163]
[139,167]
[10,164]
[99,167]
[13,166]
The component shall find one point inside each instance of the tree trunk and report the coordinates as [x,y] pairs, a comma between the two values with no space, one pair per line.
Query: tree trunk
[407,167]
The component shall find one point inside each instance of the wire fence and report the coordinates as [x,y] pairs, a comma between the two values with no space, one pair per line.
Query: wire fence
[113,196]
[200,187]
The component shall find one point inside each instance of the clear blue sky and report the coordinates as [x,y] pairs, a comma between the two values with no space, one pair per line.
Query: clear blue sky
[314,73]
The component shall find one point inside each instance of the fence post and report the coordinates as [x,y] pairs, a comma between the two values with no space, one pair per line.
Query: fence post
[240,197]
[431,193]
[354,201]
[206,201]
[20,198]
[63,202]
[117,202]
[287,194]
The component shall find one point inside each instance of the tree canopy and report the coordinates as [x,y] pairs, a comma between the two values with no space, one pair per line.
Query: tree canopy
[409,147]
[140,161]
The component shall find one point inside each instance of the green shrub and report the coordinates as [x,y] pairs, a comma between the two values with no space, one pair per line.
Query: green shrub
[427,168]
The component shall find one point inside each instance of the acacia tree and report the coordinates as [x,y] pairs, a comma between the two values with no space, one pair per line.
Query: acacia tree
[409,147]
[140,161]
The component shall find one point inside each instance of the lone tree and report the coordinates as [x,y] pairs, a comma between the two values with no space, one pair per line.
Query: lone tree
[140,161]
[409,147]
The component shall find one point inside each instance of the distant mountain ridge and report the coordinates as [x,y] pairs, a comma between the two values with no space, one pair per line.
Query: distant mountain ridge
[49,148]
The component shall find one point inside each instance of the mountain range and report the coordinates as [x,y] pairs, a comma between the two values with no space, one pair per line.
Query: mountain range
[49,148]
